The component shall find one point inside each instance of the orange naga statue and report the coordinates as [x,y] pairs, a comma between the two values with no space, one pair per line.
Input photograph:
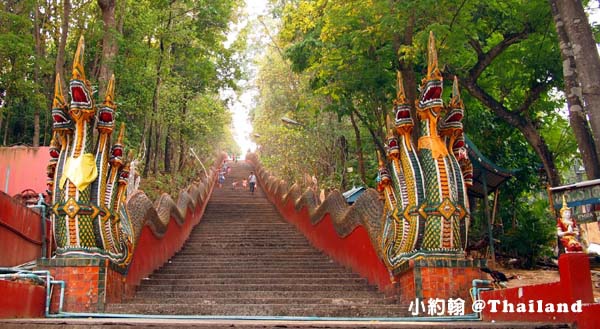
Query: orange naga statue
[87,179]
[426,210]
[567,230]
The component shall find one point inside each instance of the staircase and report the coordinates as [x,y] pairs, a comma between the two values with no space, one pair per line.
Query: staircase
[244,259]
[242,267]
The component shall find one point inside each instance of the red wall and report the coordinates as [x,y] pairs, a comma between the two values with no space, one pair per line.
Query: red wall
[354,251]
[575,284]
[21,300]
[23,168]
[20,233]
[20,242]
[152,252]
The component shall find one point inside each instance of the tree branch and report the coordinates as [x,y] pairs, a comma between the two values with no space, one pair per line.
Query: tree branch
[522,123]
[374,136]
[485,59]
[533,95]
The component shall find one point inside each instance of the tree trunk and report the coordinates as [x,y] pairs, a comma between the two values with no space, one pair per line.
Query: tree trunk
[182,144]
[156,100]
[343,147]
[2,104]
[148,149]
[374,135]
[587,61]
[148,130]
[59,67]
[39,52]
[575,102]
[359,151]
[182,153]
[168,148]
[6,128]
[121,15]
[157,137]
[152,151]
[406,68]
[109,44]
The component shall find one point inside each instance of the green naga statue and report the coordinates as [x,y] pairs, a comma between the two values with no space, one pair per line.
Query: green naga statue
[88,181]
[425,192]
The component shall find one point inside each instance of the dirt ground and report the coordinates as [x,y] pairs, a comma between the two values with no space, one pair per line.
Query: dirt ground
[537,276]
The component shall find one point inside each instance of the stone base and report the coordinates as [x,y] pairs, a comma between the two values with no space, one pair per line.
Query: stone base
[425,277]
[89,283]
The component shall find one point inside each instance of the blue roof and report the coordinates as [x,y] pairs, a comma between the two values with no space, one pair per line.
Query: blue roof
[353,194]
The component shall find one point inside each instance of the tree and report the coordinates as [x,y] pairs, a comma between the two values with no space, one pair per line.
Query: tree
[24,70]
[353,48]
[109,43]
[580,66]
[59,67]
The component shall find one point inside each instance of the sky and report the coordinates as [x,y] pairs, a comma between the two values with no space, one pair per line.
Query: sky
[240,108]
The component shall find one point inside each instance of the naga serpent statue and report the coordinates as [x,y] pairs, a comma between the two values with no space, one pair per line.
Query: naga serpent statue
[426,208]
[88,181]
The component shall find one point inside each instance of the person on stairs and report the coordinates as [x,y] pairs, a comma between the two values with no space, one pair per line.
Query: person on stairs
[252,181]
[221,179]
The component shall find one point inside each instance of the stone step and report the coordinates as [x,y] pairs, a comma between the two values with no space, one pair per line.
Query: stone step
[212,300]
[250,295]
[242,242]
[262,309]
[146,284]
[216,270]
[243,258]
[249,275]
[252,281]
[242,267]
[248,258]
[246,238]
[274,252]
[251,255]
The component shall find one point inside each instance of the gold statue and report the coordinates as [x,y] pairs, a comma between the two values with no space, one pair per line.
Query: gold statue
[568,233]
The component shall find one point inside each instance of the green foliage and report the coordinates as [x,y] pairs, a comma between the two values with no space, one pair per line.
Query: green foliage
[21,73]
[172,49]
[531,239]
[349,52]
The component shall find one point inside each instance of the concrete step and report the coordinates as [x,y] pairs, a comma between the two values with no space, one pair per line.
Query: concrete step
[261,309]
[227,270]
[267,300]
[252,281]
[251,295]
[265,265]
[244,259]
[249,275]
[146,284]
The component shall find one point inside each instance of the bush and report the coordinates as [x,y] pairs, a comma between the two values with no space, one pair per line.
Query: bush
[533,235]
